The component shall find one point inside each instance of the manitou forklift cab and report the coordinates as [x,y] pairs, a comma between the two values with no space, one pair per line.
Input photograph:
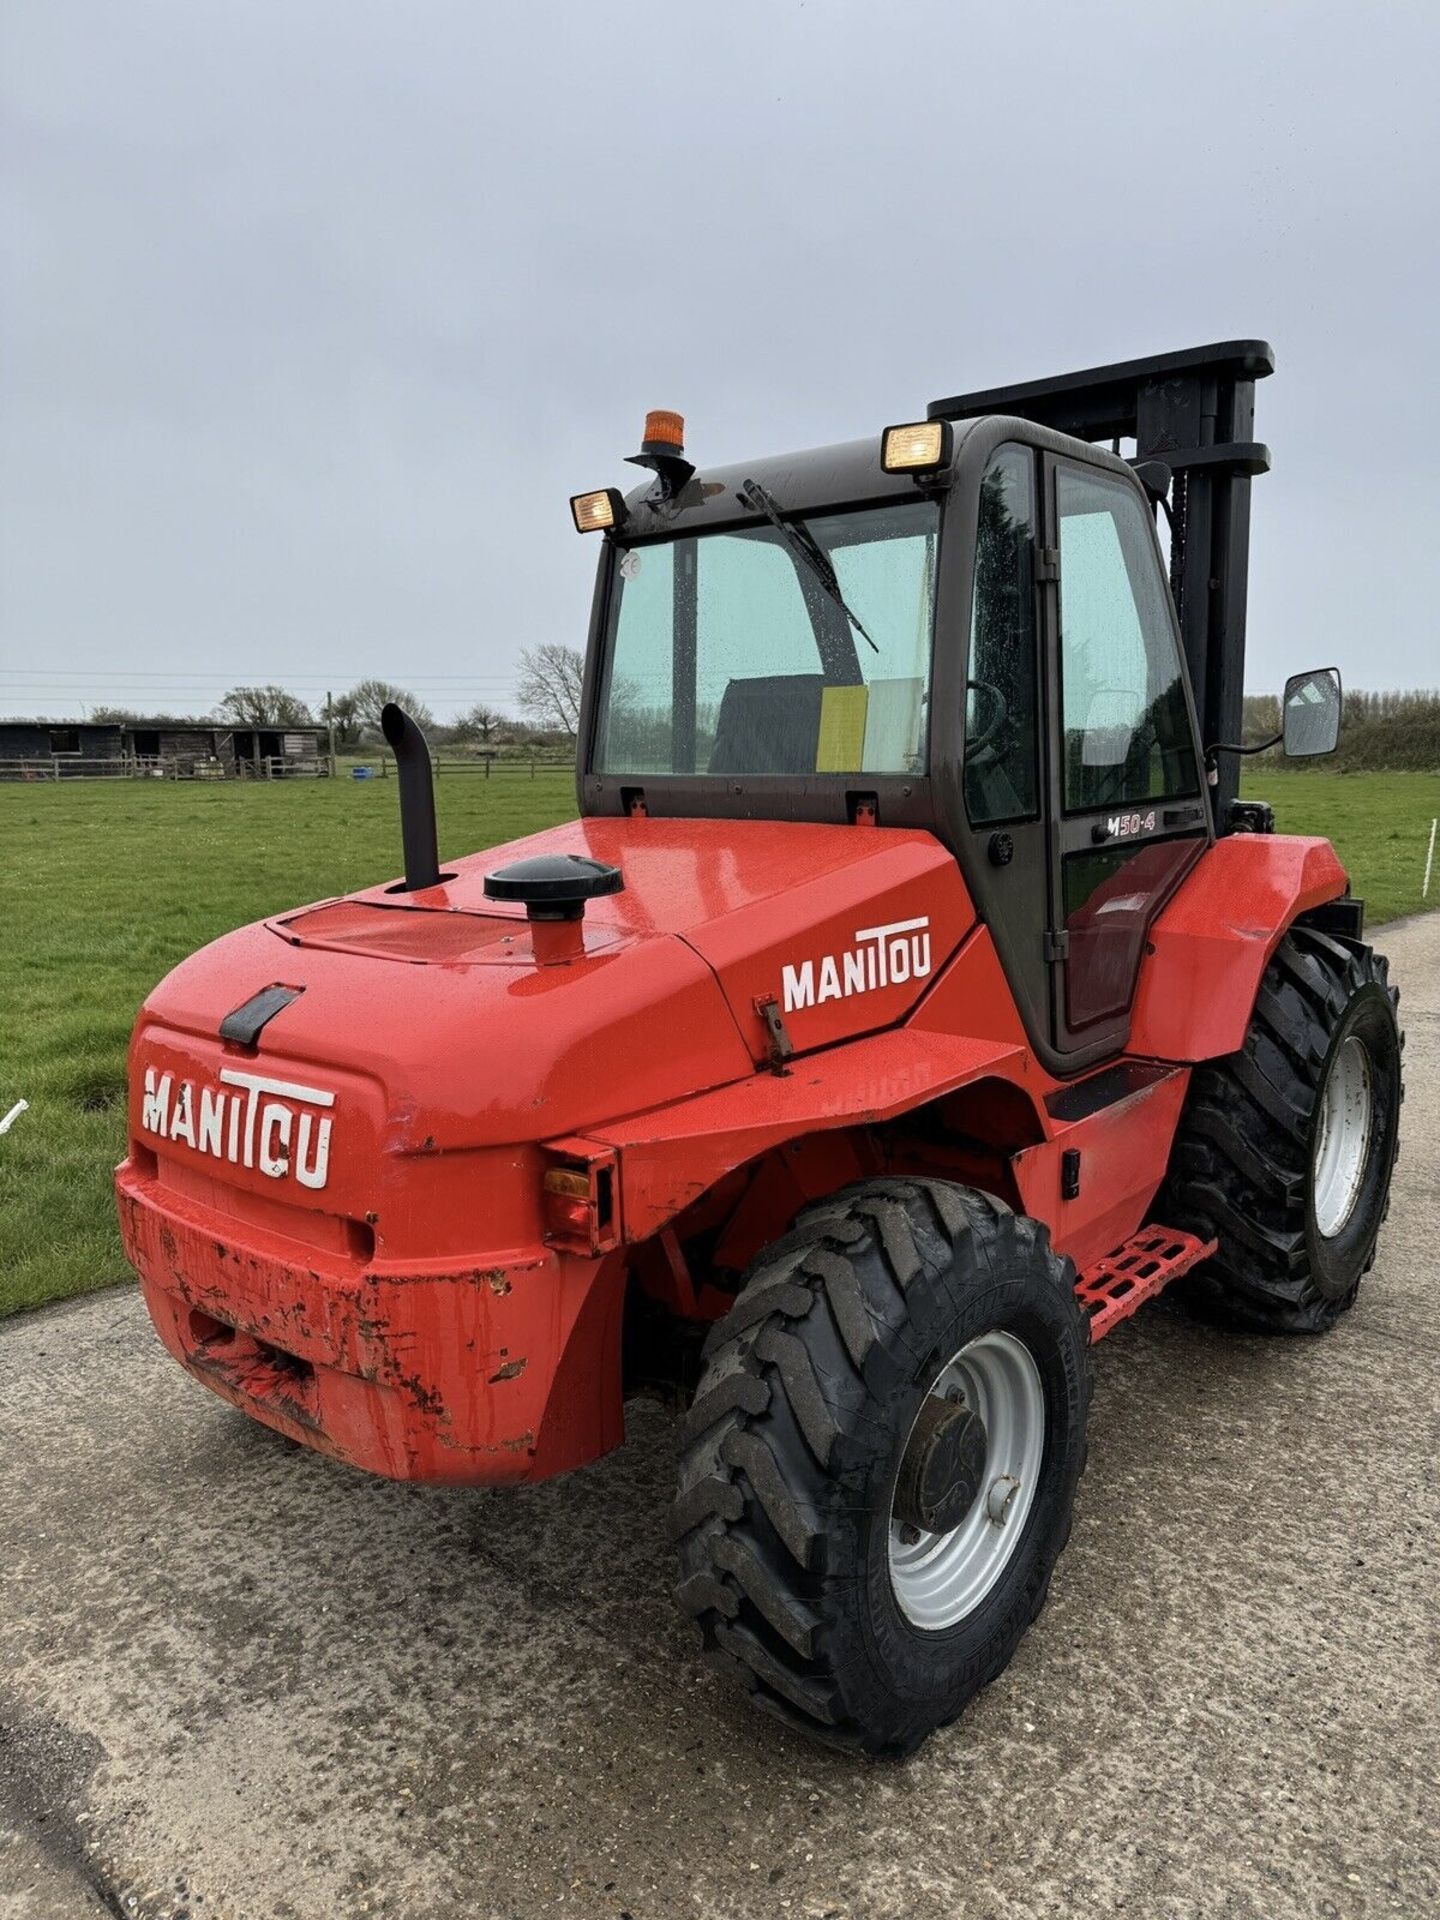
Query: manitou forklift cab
[966,626]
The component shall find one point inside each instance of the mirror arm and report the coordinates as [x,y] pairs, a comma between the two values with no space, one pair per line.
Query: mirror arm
[1224,746]
[1261,746]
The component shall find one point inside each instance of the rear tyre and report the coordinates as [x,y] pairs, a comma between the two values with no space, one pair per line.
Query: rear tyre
[1285,1149]
[880,1463]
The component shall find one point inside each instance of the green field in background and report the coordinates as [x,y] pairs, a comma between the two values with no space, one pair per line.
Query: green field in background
[105,885]
[1379,824]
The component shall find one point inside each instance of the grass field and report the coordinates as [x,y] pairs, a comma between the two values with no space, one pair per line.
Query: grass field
[1379,824]
[104,886]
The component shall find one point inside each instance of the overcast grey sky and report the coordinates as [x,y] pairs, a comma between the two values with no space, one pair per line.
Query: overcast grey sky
[315,314]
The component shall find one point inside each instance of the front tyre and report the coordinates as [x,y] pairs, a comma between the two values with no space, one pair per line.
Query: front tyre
[1285,1149]
[881,1459]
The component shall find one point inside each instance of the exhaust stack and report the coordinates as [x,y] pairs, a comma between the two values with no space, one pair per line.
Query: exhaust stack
[417,799]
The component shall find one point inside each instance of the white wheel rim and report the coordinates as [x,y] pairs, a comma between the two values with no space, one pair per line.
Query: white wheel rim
[1342,1137]
[938,1578]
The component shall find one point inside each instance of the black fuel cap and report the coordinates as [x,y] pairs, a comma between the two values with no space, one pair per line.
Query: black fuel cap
[554,886]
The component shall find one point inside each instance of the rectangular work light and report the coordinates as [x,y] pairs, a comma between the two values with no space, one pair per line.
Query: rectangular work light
[597,512]
[917,448]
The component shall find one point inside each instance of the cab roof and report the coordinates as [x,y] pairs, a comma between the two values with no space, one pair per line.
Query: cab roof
[848,474]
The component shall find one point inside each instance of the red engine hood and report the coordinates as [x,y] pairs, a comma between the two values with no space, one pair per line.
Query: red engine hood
[681,876]
[474,1028]
[843,926]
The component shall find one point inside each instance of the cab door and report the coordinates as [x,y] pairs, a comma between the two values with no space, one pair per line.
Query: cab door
[1128,811]
[1002,787]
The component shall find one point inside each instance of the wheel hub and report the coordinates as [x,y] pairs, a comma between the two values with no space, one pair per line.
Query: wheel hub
[967,1480]
[943,1468]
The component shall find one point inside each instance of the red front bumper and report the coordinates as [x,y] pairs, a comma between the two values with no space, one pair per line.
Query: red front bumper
[483,1375]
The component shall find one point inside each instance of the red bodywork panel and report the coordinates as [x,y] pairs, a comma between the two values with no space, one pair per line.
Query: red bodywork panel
[466,1374]
[1214,939]
[1123,1146]
[672,1155]
[344,1228]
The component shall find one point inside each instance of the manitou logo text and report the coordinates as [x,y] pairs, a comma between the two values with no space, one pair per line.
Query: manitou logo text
[250,1121]
[880,957]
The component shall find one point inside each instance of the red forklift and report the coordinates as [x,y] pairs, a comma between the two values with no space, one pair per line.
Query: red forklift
[912,999]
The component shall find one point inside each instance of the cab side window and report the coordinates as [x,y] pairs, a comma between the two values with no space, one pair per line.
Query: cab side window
[1127,736]
[1001,732]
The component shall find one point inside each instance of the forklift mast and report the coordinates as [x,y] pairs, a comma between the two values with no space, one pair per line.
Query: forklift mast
[1195,412]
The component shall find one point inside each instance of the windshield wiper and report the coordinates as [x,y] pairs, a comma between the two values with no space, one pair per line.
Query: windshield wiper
[798,537]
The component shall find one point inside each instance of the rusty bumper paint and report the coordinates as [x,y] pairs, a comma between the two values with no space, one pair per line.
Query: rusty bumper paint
[486,1374]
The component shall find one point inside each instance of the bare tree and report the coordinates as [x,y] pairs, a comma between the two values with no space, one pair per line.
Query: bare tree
[264,707]
[344,720]
[479,723]
[369,696]
[549,686]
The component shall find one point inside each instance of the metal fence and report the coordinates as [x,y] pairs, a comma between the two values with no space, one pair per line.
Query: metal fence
[70,766]
[506,765]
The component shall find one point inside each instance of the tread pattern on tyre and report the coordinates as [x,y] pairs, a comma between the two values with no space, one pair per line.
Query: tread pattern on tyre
[1240,1166]
[766,1451]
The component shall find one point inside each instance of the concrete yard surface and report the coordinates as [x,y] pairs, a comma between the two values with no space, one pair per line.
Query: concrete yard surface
[241,1681]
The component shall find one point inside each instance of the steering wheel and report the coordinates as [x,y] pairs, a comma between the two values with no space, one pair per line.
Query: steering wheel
[976,745]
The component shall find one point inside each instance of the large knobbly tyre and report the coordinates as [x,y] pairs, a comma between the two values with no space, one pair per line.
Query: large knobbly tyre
[1285,1149]
[881,1459]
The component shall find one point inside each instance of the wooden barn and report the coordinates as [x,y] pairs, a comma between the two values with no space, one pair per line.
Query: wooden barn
[221,750]
[165,747]
[59,749]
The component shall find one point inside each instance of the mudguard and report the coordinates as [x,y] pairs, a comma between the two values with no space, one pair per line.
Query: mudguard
[1210,946]
[673,1155]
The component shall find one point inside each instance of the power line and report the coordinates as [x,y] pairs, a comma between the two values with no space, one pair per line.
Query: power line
[195,678]
[94,689]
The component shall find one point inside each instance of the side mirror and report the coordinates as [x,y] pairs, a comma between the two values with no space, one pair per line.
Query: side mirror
[1310,712]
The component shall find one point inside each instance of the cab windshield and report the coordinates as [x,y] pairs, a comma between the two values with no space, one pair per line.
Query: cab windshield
[727,655]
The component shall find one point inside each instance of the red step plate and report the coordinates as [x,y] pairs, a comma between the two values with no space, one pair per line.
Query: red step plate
[1114,1287]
